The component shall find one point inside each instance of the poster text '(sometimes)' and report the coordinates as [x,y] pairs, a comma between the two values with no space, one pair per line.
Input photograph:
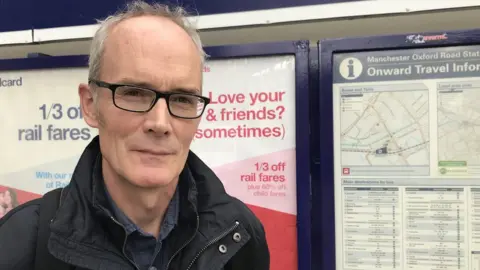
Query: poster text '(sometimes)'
[261,112]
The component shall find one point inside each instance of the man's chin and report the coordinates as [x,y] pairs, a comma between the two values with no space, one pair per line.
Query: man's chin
[152,177]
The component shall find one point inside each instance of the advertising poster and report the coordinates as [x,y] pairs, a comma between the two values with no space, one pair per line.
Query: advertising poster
[407,159]
[42,130]
[247,136]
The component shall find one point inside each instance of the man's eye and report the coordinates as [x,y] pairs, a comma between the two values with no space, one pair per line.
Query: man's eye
[133,92]
[183,99]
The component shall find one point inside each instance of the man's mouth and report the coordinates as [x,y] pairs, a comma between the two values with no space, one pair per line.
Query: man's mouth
[156,152]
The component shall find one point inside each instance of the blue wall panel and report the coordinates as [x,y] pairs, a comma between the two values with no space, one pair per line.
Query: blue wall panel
[22,14]
[16,15]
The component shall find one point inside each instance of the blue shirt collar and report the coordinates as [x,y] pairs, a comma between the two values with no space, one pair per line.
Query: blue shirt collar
[169,221]
[170,218]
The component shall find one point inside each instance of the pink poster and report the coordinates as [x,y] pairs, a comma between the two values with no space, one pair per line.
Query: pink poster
[247,136]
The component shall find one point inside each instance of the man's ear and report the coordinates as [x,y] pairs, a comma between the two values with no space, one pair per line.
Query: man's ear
[87,105]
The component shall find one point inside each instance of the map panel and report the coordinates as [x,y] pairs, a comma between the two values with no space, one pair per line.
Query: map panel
[459,127]
[385,129]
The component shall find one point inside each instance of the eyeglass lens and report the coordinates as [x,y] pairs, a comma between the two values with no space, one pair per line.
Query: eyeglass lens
[137,99]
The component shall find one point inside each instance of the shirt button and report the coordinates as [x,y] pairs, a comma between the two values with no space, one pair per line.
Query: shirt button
[152,268]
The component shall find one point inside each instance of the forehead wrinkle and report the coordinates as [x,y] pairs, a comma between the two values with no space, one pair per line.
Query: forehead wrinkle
[160,31]
[143,45]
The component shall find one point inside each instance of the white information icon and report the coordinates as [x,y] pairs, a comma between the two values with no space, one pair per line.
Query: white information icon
[350,68]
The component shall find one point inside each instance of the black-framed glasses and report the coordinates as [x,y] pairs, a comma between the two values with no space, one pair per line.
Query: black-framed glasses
[140,99]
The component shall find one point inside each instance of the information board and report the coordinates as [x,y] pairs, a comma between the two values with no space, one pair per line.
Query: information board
[247,136]
[406,144]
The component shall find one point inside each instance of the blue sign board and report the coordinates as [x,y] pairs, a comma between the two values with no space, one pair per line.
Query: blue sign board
[396,164]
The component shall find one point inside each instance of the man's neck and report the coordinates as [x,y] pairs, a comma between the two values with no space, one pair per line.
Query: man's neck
[144,207]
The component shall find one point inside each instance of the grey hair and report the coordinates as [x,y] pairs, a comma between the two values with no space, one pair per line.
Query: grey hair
[138,8]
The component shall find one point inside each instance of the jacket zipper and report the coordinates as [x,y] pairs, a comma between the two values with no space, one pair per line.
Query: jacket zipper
[185,244]
[124,243]
[211,242]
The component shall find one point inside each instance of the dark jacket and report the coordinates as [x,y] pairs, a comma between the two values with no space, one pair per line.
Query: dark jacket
[214,231]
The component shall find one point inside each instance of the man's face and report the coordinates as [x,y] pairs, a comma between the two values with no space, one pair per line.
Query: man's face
[146,149]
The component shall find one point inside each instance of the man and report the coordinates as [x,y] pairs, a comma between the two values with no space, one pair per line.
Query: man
[139,198]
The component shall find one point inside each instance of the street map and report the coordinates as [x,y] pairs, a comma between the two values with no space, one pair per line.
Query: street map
[389,128]
[459,124]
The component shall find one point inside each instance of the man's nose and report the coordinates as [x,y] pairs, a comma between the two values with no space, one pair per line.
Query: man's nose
[158,118]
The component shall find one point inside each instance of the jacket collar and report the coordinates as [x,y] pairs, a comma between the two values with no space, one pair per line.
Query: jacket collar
[86,192]
[82,202]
